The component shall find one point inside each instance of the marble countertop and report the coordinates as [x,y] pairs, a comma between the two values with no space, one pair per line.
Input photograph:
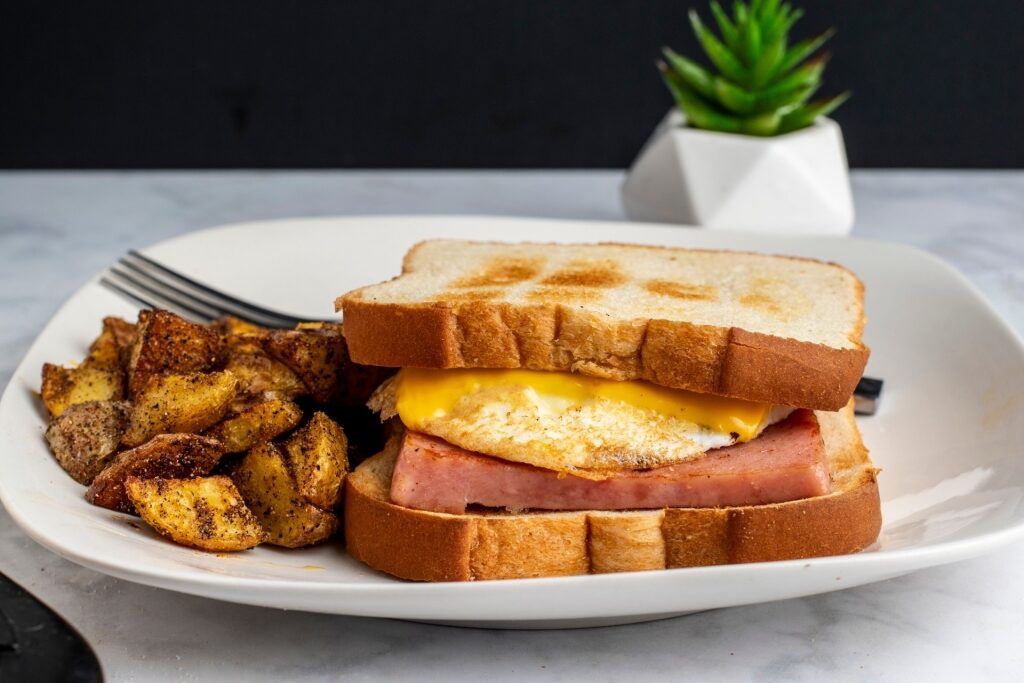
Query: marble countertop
[960,622]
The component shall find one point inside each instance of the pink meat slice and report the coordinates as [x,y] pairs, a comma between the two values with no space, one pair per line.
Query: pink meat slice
[786,462]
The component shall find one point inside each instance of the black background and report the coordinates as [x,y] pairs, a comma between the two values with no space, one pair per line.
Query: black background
[470,84]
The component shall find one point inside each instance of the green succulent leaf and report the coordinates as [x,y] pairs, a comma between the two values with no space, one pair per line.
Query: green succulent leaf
[724,60]
[733,97]
[778,27]
[764,124]
[784,102]
[765,67]
[751,42]
[698,112]
[805,115]
[693,74]
[808,73]
[768,9]
[739,12]
[725,26]
[787,23]
[803,50]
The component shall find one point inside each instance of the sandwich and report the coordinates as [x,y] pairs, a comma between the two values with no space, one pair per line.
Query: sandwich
[574,409]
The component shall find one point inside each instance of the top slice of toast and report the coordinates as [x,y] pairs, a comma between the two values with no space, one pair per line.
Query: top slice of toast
[775,329]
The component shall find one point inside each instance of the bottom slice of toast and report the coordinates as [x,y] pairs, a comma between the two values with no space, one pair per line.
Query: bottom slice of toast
[435,546]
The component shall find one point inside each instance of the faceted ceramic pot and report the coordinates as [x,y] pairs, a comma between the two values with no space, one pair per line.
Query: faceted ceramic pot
[797,183]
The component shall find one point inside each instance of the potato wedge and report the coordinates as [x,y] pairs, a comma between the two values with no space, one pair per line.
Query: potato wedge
[169,456]
[206,513]
[123,333]
[100,377]
[355,382]
[319,356]
[260,375]
[314,355]
[113,346]
[270,491]
[172,404]
[166,343]
[64,387]
[261,422]
[318,455]
[85,436]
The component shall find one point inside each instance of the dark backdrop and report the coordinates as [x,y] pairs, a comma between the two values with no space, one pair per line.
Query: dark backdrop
[464,83]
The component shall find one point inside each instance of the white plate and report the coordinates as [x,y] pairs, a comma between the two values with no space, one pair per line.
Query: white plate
[947,436]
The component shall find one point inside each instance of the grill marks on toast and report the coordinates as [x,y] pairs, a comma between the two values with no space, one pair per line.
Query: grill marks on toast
[580,280]
[600,273]
[681,290]
[583,279]
[501,271]
[776,298]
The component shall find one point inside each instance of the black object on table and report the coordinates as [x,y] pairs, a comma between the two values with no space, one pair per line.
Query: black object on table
[867,395]
[36,644]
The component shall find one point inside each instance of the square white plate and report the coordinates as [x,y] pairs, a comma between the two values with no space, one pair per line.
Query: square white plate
[946,436]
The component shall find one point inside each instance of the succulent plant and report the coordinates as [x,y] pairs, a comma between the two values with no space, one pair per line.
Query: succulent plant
[763,85]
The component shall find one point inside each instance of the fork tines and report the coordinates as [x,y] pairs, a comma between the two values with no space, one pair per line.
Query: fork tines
[151,284]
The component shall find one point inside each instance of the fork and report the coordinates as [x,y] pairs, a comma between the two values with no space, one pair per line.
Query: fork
[143,281]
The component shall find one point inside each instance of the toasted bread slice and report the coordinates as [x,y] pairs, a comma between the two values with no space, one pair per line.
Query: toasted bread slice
[434,546]
[763,328]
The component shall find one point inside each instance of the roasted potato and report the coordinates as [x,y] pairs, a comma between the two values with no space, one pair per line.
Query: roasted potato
[355,382]
[313,355]
[234,382]
[259,375]
[166,343]
[320,358]
[270,491]
[85,436]
[180,403]
[206,513]
[123,333]
[261,422]
[318,455]
[113,347]
[65,387]
[99,377]
[170,456]
[230,325]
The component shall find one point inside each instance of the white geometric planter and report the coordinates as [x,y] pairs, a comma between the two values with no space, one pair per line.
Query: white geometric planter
[797,183]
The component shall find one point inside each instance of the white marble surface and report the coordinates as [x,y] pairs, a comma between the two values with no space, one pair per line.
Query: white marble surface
[963,622]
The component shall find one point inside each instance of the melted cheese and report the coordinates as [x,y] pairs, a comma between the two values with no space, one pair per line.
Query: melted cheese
[425,396]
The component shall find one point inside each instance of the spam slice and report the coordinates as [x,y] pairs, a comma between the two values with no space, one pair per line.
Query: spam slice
[786,462]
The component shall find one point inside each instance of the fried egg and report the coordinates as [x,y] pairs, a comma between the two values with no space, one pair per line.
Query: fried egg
[568,422]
